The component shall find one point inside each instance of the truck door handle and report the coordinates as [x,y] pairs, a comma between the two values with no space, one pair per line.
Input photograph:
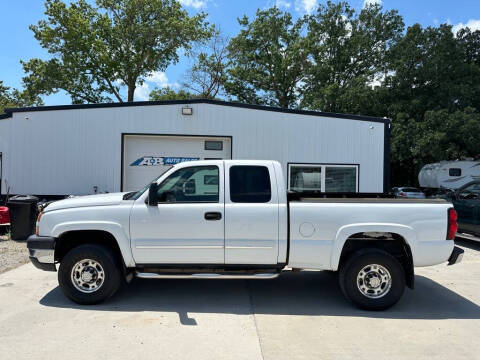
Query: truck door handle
[213,216]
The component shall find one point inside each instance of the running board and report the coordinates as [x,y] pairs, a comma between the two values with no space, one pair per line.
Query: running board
[144,275]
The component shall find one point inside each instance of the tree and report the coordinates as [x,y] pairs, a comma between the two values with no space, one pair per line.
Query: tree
[208,74]
[431,94]
[98,50]
[448,135]
[348,53]
[170,94]
[268,60]
[16,98]
[428,72]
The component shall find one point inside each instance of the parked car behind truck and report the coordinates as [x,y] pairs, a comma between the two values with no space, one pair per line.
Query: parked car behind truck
[466,201]
[408,192]
[234,219]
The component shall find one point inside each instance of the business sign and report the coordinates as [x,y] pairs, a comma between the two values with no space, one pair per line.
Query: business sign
[161,160]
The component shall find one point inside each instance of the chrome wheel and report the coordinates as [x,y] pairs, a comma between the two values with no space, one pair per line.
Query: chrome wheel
[374,281]
[87,275]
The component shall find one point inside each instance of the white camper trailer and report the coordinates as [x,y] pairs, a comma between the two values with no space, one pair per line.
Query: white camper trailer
[449,174]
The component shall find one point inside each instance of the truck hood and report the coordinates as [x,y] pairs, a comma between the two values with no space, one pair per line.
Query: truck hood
[83,201]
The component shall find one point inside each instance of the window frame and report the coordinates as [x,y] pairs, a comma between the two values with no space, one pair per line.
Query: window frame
[323,167]
[193,202]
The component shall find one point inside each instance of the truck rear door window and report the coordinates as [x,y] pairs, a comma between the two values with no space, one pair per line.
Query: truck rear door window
[250,184]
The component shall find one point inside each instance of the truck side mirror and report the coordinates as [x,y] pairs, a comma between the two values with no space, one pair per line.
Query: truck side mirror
[152,194]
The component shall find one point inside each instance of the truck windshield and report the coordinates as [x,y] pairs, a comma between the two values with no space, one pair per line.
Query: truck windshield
[136,194]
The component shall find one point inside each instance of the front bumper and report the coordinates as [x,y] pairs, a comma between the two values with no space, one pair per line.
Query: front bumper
[42,252]
[456,256]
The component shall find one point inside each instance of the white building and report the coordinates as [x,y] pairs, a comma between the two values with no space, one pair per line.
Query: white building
[83,149]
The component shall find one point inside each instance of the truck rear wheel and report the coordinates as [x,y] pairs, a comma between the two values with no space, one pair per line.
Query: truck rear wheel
[89,274]
[372,279]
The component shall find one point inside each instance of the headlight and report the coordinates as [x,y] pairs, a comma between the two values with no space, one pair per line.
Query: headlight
[38,222]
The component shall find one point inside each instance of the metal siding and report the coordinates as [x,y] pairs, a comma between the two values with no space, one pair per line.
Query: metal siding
[70,151]
[5,146]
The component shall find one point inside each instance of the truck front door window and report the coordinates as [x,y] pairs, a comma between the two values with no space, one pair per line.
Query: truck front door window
[191,184]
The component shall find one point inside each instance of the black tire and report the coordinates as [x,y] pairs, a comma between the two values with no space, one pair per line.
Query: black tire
[360,260]
[111,271]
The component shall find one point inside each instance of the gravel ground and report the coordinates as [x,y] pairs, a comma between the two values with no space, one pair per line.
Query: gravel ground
[12,253]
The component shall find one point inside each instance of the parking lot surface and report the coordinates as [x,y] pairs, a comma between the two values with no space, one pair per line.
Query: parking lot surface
[296,316]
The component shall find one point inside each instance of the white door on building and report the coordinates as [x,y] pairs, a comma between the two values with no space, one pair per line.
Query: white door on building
[147,156]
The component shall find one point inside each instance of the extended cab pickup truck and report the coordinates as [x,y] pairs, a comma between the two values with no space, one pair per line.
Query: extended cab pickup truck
[234,219]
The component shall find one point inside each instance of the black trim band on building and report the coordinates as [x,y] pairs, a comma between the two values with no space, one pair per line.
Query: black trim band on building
[9,111]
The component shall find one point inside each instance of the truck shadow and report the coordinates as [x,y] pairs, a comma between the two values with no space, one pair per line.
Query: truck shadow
[309,293]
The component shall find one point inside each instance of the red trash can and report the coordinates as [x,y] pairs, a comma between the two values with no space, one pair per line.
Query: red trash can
[4,215]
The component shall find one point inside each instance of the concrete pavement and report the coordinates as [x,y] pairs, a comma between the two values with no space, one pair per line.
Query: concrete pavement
[296,316]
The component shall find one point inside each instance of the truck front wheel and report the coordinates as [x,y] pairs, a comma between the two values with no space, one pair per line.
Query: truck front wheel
[89,274]
[372,279]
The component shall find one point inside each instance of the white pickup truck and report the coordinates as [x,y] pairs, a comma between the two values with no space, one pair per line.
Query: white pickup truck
[234,219]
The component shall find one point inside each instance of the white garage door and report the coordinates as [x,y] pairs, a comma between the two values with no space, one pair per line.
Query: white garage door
[146,156]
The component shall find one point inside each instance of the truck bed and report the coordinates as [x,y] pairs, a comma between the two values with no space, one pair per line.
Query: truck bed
[320,225]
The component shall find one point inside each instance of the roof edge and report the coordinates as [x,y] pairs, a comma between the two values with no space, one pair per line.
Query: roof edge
[10,111]
[6,114]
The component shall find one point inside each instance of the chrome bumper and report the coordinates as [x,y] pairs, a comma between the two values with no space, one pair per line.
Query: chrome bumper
[42,252]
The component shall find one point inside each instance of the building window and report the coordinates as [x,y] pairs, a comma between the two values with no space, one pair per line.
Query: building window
[250,184]
[323,177]
[214,145]
[305,178]
[455,172]
[340,179]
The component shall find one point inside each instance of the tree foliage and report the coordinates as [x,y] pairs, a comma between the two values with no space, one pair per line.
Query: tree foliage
[98,49]
[348,52]
[268,59]
[432,94]
[207,76]
[167,93]
[16,98]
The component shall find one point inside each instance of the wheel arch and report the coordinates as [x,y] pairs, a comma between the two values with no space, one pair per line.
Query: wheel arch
[397,241]
[109,233]
[74,238]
